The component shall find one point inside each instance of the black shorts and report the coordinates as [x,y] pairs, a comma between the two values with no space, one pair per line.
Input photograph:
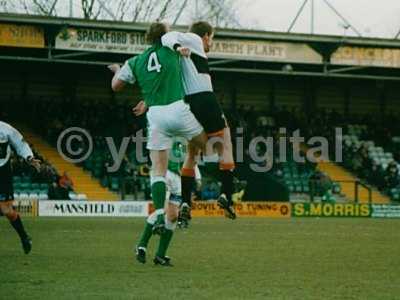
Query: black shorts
[207,111]
[6,183]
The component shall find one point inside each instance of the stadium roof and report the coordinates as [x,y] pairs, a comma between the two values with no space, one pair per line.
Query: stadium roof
[223,32]
[368,58]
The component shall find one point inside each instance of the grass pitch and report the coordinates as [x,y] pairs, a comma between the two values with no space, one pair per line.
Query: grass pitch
[250,258]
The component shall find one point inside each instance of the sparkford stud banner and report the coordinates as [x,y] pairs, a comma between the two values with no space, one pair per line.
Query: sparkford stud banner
[101,40]
[135,42]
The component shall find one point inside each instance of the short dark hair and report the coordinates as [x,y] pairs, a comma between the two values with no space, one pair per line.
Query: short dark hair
[155,32]
[201,28]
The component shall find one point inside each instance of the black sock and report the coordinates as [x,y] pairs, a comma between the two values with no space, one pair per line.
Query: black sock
[19,228]
[227,184]
[187,187]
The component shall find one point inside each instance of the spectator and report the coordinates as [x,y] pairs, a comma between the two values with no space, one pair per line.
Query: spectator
[66,185]
[391,176]
[375,175]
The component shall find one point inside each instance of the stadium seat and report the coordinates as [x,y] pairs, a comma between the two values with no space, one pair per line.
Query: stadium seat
[34,186]
[73,196]
[114,184]
[43,196]
[23,196]
[25,186]
[44,186]
[33,196]
[81,197]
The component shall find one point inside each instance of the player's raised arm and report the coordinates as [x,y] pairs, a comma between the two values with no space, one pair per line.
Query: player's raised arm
[22,148]
[182,42]
[121,76]
[19,144]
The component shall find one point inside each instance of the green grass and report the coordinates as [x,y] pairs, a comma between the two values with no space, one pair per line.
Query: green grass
[257,258]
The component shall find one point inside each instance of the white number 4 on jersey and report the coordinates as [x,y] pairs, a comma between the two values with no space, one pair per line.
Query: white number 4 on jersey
[153,64]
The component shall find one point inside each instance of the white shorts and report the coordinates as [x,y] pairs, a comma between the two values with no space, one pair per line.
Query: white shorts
[168,121]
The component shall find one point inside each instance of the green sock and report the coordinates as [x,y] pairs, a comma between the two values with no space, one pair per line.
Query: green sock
[165,239]
[158,192]
[146,235]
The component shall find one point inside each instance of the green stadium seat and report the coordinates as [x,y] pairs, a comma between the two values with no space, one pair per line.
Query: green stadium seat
[25,186]
[97,172]
[25,179]
[88,164]
[336,188]
[35,186]
[17,185]
[114,184]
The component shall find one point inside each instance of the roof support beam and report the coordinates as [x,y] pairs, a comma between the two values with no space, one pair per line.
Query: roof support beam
[300,73]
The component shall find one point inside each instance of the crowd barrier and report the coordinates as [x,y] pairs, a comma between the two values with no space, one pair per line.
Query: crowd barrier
[68,208]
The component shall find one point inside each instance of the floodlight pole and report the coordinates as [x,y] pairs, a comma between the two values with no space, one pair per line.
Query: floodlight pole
[397,35]
[109,12]
[70,9]
[312,17]
[180,12]
[297,15]
[343,18]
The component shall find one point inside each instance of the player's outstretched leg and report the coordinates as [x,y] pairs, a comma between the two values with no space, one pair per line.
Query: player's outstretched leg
[170,224]
[225,199]
[221,142]
[188,182]
[226,166]
[184,216]
[16,223]
[141,246]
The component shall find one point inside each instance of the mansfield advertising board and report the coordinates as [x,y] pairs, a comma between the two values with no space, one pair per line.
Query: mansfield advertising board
[93,208]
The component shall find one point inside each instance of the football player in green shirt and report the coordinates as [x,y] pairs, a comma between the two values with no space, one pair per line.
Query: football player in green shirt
[157,71]
[173,200]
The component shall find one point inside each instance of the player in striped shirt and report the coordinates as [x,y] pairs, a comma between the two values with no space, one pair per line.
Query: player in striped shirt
[199,94]
[10,139]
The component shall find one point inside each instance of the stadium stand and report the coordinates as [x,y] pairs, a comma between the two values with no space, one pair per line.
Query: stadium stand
[29,184]
[258,96]
[93,181]
[85,186]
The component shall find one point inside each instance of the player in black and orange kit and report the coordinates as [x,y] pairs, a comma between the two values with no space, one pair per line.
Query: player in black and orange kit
[199,94]
[204,105]
[10,138]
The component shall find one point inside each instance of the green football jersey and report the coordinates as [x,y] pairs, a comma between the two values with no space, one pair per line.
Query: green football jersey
[158,73]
